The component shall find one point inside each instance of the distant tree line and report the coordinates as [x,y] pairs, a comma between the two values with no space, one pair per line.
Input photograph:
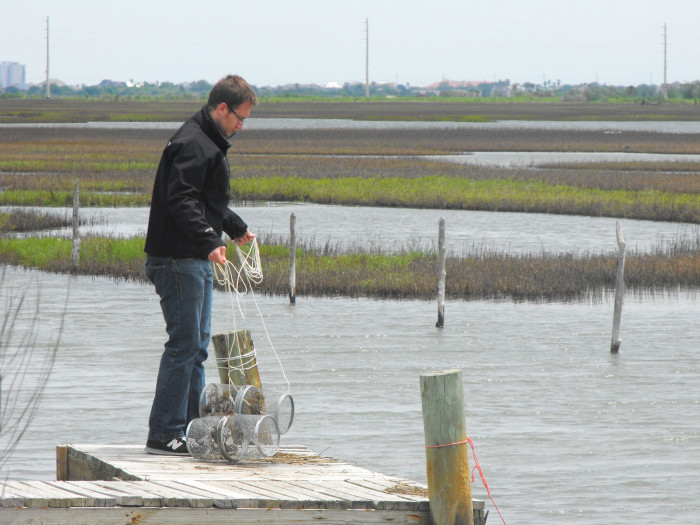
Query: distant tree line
[589,92]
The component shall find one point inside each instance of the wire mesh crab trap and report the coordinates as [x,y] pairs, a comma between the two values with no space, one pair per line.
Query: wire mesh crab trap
[232,437]
[220,400]
[202,438]
[238,432]
[253,400]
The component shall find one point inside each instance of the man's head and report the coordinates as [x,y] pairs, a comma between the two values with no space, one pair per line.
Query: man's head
[230,102]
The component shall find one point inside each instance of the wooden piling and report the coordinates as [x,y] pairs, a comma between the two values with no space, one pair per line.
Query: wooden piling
[447,463]
[62,463]
[235,356]
[441,274]
[619,290]
[76,235]
[292,259]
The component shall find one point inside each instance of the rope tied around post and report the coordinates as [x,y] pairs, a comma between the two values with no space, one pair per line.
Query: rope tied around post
[477,466]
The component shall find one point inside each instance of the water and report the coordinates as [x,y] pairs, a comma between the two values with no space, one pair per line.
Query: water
[519,159]
[565,432]
[312,123]
[389,229]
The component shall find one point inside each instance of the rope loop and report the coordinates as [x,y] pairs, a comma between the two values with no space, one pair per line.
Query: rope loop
[238,281]
[476,466]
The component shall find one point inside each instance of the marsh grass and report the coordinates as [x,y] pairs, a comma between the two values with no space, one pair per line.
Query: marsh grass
[59,109]
[327,270]
[114,257]
[391,181]
[19,220]
[440,192]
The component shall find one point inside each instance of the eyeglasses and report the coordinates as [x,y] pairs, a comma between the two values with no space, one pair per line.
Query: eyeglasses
[237,115]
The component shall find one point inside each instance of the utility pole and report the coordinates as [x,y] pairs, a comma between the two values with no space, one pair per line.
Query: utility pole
[48,84]
[665,56]
[367,57]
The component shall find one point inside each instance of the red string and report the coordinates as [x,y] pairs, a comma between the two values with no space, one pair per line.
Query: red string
[476,466]
[448,444]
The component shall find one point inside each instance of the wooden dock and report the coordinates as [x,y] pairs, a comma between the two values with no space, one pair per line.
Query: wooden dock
[121,484]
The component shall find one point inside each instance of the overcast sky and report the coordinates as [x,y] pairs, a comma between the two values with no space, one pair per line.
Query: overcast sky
[416,42]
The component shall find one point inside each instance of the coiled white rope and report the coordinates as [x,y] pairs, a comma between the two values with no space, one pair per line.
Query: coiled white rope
[237,282]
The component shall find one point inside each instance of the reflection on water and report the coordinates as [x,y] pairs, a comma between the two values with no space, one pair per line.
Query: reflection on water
[566,432]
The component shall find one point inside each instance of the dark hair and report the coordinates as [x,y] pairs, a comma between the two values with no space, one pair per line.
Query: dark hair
[232,90]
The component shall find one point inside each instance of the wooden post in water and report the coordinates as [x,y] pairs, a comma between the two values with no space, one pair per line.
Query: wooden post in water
[441,274]
[61,463]
[619,290]
[292,259]
[235,356]
[76,234]
[449,487]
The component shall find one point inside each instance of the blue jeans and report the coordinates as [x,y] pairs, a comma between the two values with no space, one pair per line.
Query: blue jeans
[185,288]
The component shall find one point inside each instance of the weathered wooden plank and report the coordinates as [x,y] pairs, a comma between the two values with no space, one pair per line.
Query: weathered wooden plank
[284,471]
[11,496]
[126,495]
[365,488]
[154,494]
[214,488]
[281,491]
[180,495]
[46,495]
[386,485]
[292,490]
[346,490]
[255,500]
[278,492]
[258,490]
[100,496]
[234,495]
[393,490]
[184,516]
[221,498]
[78,498]
[364,497]
[352,503]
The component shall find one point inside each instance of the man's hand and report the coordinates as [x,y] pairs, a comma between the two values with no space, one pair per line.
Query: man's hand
[218,255]
[246,237]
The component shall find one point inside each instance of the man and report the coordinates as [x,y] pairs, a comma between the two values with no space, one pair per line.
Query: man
[189,211]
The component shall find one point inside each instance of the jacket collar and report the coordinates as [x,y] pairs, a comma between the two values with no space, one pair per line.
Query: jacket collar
[203,118]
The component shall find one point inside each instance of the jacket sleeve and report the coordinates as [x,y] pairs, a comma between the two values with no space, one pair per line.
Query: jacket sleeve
[234,226]
[185,185]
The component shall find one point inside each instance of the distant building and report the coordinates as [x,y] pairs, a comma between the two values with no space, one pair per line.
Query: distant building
[12,74]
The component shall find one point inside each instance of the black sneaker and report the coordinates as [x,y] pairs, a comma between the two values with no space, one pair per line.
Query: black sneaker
[172,447]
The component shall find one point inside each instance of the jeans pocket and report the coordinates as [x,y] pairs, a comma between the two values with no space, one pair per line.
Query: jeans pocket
[155,273]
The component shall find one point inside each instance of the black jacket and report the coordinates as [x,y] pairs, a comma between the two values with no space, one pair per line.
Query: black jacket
[189,206]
